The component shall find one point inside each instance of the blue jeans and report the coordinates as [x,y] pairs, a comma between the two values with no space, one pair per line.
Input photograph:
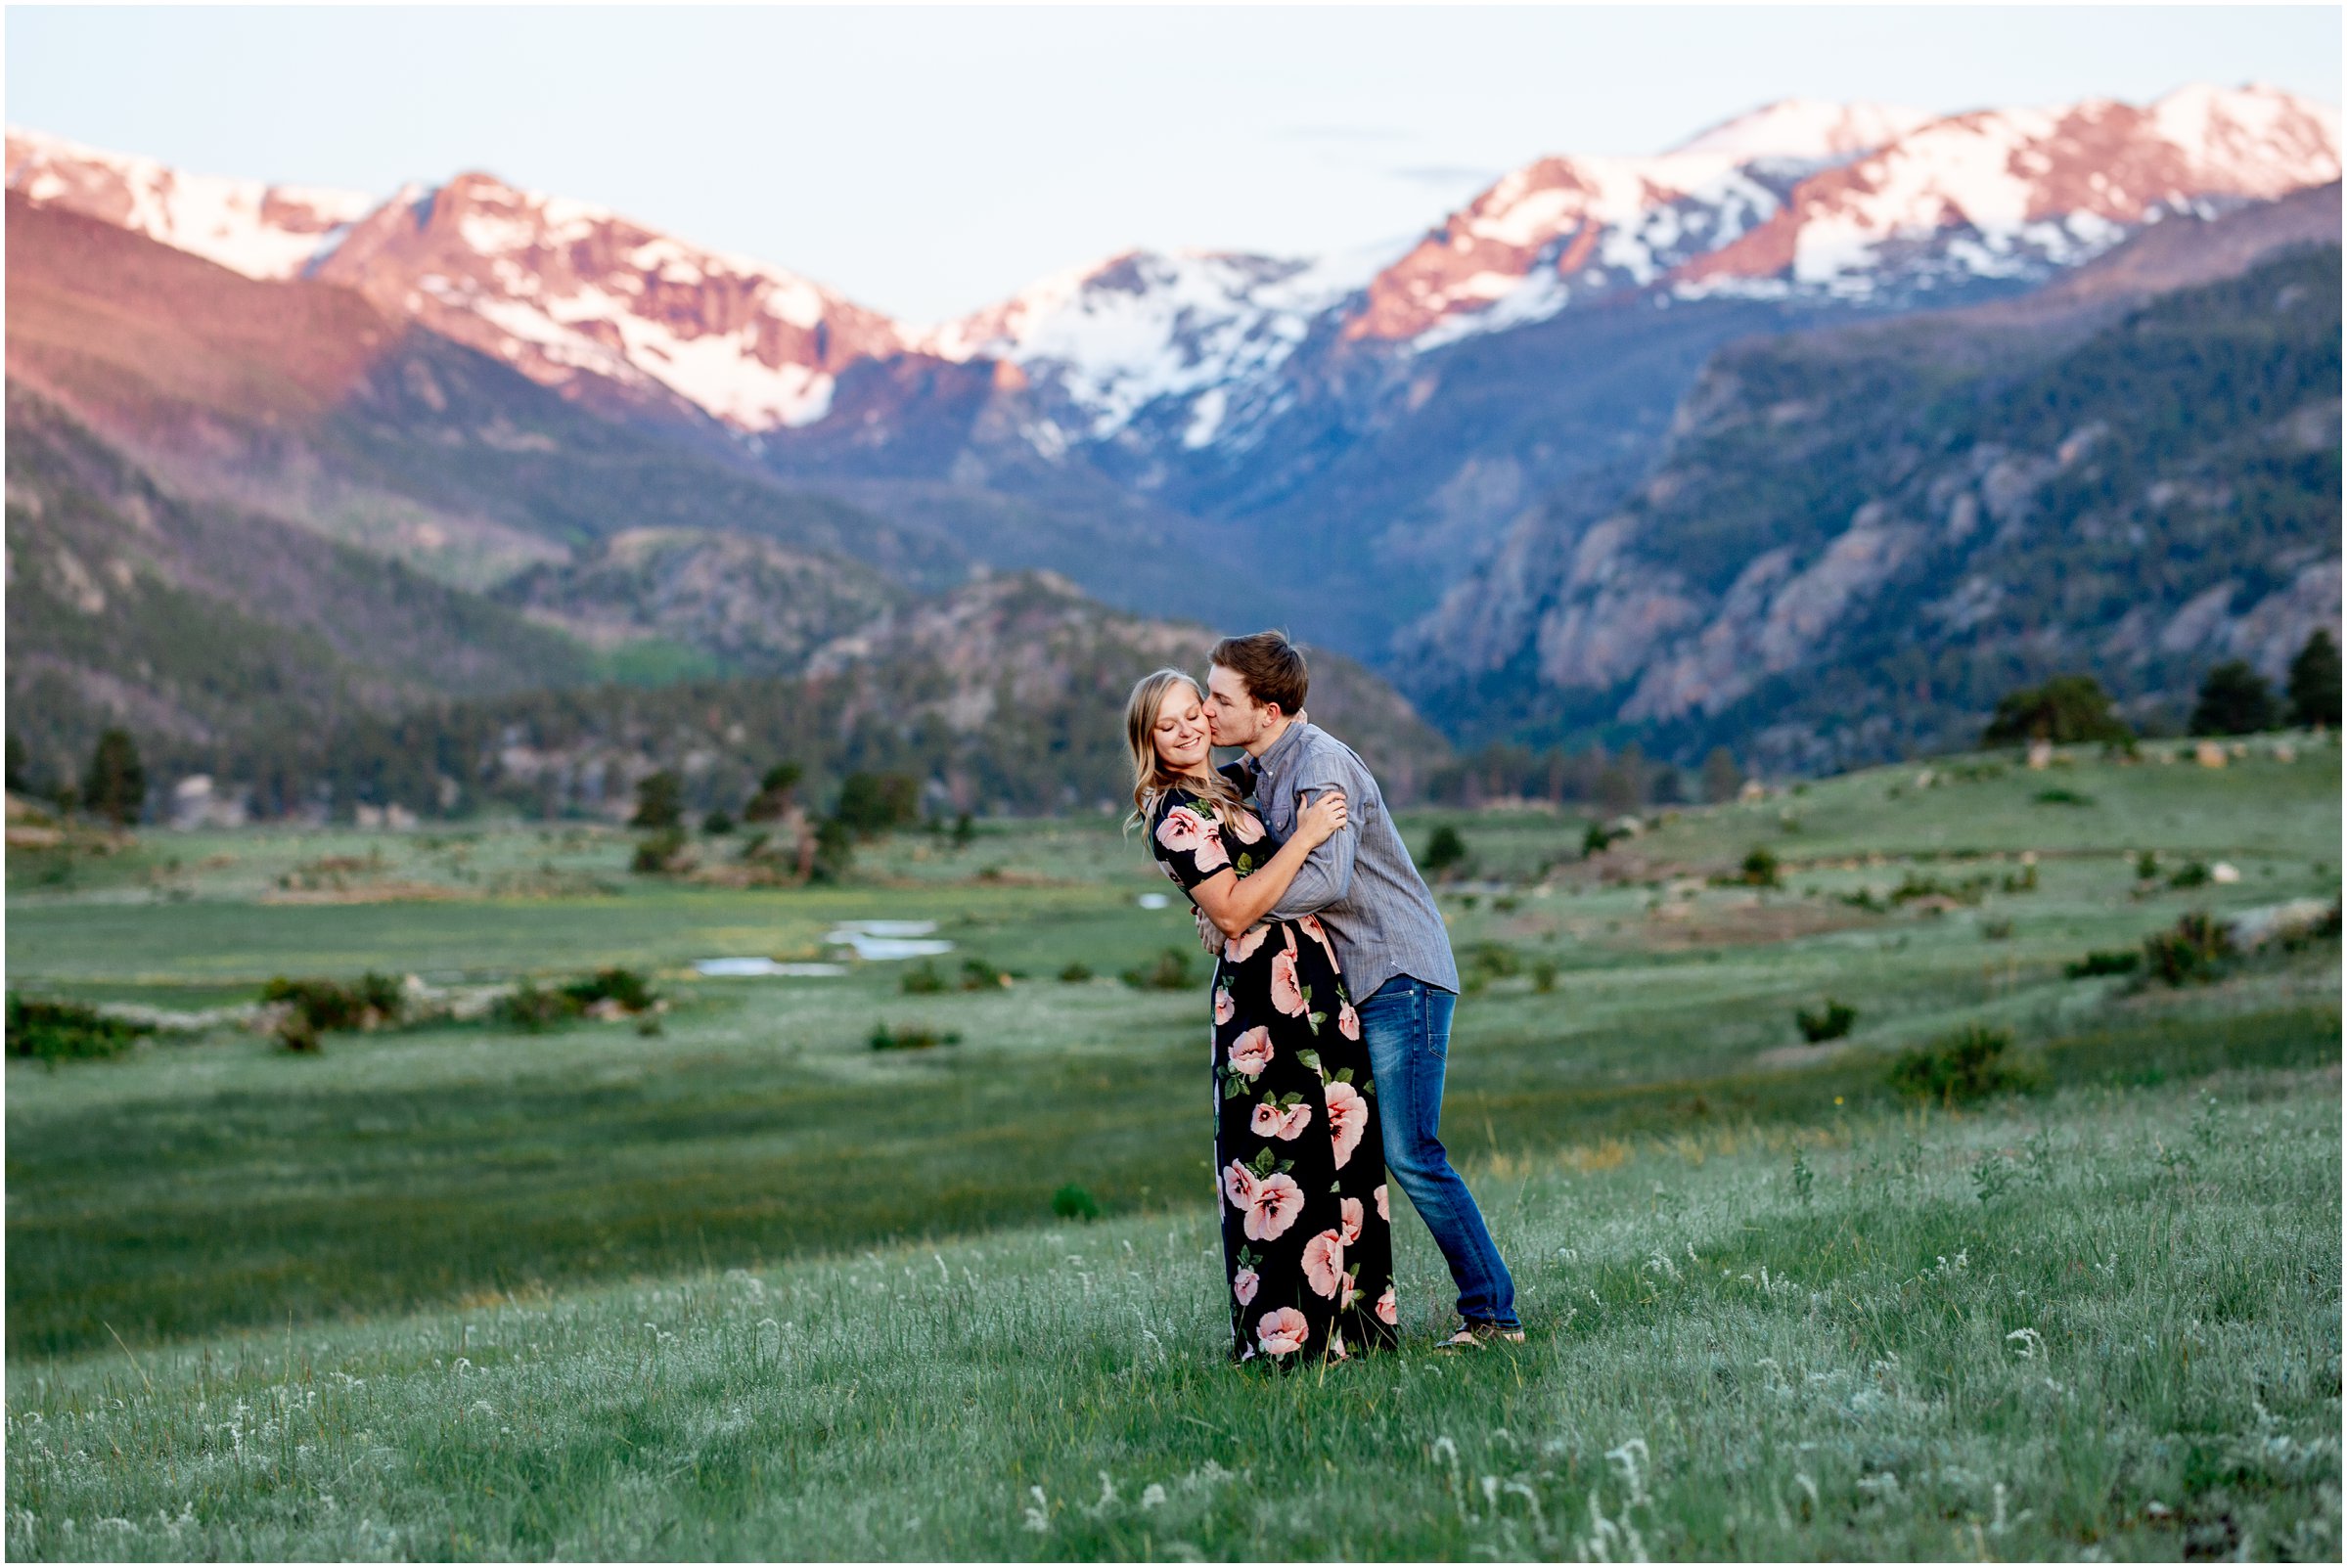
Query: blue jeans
[1407,1027]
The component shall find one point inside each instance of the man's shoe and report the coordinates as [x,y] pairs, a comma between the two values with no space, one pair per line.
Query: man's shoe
[1476,1335]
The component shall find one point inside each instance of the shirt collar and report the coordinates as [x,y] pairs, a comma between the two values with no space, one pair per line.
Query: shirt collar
[1280,750]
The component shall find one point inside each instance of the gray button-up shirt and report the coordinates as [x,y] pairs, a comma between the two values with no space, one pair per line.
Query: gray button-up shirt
[1362,883]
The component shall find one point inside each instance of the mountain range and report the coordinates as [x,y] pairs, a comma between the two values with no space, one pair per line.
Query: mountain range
[559,411]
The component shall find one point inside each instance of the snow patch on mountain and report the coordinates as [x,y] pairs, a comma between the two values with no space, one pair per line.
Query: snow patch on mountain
[1120,335]
[2018,194]
[248,226]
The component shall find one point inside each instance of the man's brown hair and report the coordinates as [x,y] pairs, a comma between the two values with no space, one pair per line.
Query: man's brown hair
[1272,666]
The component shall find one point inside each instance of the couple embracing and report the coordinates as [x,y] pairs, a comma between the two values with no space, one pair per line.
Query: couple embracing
[1333,993]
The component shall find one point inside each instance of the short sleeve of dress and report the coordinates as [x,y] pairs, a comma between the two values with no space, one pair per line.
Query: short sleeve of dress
[1188,840]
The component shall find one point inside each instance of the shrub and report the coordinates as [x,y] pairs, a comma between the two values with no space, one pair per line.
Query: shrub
[1446,851]
[2195,951]
[658,851]
[66,1031]
[1997,930]
[1830,1022]
[1962,1066]
[910,1037]
[873,803]
[2067,708]
[1075,1202]
[775,796]
[979,975]
[2058,797]
[534,1010]
[718,822]
[834,850]
[2105,960]
[1595,839]
[624,986]
[2146,866]
[1170,973]
[1759,868]
[1494,961]
[2193,874]
[921,980]
[368,1003]
[1544,977]
[1075,974]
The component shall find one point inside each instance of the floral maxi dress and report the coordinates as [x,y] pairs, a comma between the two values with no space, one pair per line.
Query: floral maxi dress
[1300,1167]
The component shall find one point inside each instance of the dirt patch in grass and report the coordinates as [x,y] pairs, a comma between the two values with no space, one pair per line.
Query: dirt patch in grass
[1675,926]
[390,890]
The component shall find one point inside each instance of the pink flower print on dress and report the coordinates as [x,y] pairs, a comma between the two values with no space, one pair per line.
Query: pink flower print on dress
[1269,1121]
[1388,1313]
[1182,829]
[1282,1332]
[1350,1209]
[1250,1052]
[1243,1285]
[1273,1206]
[1379,1195]
[1324,1263]
[1319,933]
[1348,1022]
[1348,1119]
[1243,947]
[1286,993]
[1210,855]
[1247,826]
[1224,1008]
[1239,1185]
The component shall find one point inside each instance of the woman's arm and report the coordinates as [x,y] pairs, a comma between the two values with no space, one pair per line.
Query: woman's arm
[1235,903]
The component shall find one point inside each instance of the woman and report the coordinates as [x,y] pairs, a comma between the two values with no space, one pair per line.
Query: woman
[1306,1244]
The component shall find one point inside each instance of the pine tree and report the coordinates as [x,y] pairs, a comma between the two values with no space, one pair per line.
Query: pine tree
[2314,682]
[660,801]
[2234,700]
[1722,777]
[117,786]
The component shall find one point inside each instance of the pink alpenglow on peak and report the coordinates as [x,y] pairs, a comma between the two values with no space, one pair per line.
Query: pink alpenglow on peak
[261,230]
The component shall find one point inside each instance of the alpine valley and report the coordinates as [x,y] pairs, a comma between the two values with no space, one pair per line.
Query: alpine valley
[1810,437]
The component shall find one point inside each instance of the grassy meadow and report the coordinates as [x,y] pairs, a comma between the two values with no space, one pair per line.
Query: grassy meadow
[745,1286]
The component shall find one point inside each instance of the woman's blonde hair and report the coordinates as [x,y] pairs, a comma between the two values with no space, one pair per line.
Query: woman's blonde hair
[1151,779]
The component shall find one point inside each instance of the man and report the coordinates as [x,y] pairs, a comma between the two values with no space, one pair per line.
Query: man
[1389,937]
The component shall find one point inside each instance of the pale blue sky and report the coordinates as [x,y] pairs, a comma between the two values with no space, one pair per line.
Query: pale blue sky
[930,161]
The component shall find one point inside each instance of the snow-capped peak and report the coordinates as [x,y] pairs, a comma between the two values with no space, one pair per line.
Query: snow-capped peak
[1118,334]
[248,226]
[557,287]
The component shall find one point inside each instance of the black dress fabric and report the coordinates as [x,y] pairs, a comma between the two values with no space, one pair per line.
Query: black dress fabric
[1300,1171]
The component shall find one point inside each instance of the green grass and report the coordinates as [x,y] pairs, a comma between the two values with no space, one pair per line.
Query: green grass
[247,1229]
[1796,1342]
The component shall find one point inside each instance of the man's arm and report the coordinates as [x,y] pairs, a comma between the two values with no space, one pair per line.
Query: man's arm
[1327,872]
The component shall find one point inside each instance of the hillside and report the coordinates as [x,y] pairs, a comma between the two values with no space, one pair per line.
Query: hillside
[704,602]
[196,623]
[2102,476]
[1004,695]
